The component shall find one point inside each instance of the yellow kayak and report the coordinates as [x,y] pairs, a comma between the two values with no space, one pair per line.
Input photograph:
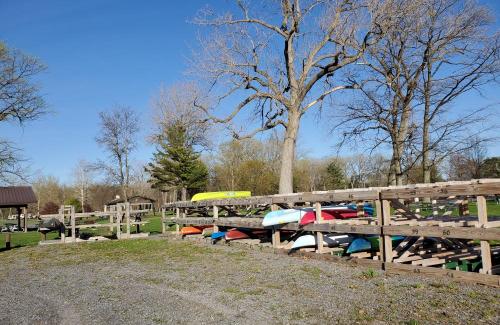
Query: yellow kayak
[220,195]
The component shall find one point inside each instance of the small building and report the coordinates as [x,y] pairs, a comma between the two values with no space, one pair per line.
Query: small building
[18,197]
[138,202]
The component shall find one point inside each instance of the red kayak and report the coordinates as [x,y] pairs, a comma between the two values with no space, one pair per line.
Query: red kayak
[310,216]
[235,234]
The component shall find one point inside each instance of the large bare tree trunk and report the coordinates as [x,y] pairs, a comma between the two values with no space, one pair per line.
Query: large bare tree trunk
[288,154]
[426,165]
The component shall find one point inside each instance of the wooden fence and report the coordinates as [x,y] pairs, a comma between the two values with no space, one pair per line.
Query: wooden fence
[457,235]
[119,217]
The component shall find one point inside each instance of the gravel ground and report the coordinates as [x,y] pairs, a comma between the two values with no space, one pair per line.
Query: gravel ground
[169,281]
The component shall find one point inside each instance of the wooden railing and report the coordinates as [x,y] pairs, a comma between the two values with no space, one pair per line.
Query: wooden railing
[464,237]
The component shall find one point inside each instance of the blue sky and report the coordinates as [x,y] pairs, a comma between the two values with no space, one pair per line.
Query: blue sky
[102,53]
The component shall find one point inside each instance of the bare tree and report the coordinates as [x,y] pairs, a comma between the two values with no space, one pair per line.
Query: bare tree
[460,56]
[175,105]
[282,58]
[431,52]
[119,128]
[83,180]
[20,101]
[389,82]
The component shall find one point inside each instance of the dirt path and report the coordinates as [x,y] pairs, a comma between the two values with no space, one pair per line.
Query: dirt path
[171,282]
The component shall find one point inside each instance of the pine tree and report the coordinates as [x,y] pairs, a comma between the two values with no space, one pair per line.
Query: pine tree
[335,178]
[176,164]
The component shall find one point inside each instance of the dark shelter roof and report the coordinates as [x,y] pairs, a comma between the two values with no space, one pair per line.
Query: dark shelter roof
[16,196]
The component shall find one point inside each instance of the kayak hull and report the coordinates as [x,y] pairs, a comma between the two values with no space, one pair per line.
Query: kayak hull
[279,217]
[328,240]
[220,195]
[236,234]
[344,213]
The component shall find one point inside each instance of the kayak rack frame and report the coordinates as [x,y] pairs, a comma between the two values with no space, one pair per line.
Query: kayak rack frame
[398,212]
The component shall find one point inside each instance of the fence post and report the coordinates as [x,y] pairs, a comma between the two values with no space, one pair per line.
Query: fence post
[163,228]
[119,220]
[7,240]
[275,237]
[319,234]
[127,216]
[61,219]
[216,216]
[385,241]
[73,224]
[177,215]
[25,214]
[482,213]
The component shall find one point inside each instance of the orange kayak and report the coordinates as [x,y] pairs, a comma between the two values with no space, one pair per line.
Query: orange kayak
[191,230]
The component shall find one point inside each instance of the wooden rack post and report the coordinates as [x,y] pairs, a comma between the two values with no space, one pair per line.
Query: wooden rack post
[319,234]
[73,224]
[216,216]
[61,219]
[127,216]
[163,220]
[463,208]
[482,214]
[119,221]
[385,241]
[360,206]
[25,214]
[276,238]
[177,215]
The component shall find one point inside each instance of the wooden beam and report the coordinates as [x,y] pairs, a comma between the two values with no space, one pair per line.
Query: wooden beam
[386,241]
[73,223]
[446,232]
[215,216]
[319,234]
[163,220]
[482,212]
[275,235]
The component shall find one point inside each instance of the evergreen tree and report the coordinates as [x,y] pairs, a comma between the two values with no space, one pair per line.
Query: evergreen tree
[176,164]
[335,176]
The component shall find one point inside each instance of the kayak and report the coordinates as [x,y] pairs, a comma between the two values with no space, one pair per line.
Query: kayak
[283,216]
[328,240]
[218,235]
[367,208]
[330,214]
[371,243]
[190,230]
[220,195]
[234,234]
[244,233]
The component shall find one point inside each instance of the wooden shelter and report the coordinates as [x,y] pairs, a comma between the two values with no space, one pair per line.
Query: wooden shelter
[18,197]
[138,202]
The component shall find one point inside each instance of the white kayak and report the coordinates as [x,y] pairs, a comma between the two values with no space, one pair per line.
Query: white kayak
[292,215]
[283,216]
[328,240]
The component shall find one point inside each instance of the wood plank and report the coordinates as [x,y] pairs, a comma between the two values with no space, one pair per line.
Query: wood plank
[319,234]
[482,212]
[396,268]
[458,232]
[386,244]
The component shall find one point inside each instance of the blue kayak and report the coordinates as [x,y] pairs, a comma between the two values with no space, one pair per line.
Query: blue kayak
[218,235]
[367,207]
[372,243]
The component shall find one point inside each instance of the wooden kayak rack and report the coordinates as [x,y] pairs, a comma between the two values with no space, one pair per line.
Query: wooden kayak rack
[121,216]
[442,237]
